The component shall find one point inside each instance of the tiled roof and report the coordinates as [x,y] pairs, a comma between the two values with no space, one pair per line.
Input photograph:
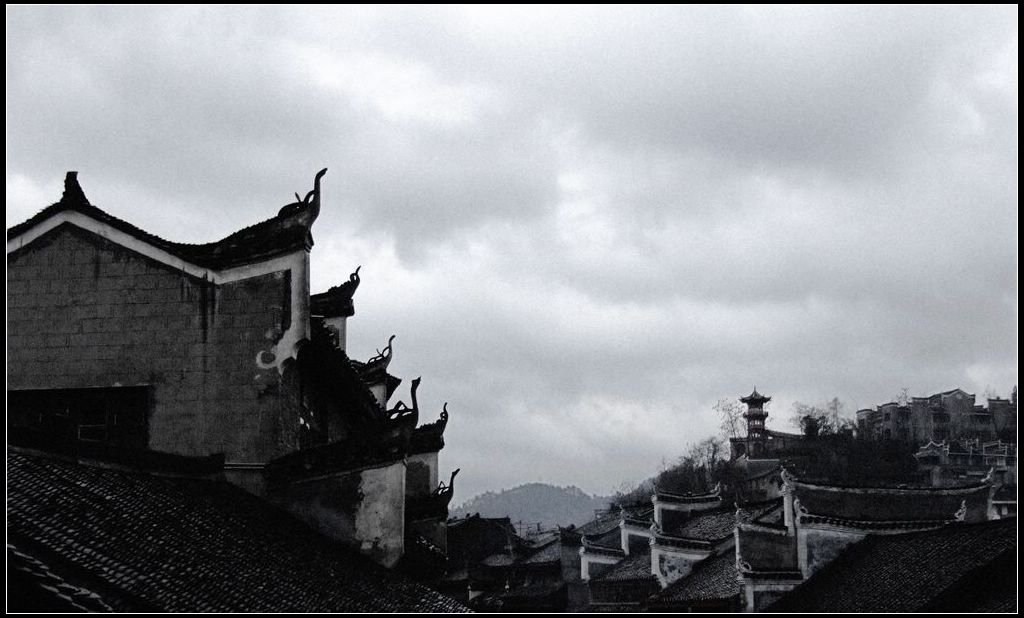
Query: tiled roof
[712,578]
[33,584]
[707,526]
[889,504]
[287,231]
[634,567]
[609,540]
[182,544]
[966,567]
[337,301]
[782,434]
[550,552]
[688,498]
[599,525]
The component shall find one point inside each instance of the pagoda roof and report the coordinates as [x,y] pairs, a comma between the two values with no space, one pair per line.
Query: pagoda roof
[755,398]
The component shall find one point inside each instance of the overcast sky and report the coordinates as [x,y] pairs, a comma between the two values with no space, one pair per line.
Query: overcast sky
[585,226]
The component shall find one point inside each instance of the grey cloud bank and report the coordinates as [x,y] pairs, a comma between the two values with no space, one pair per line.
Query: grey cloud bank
[585,226]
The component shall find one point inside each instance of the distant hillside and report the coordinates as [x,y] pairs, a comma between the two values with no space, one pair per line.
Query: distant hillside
[536,503]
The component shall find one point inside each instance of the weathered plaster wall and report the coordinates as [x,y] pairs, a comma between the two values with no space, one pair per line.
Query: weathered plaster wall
[816,548]
[592,565]
[421,474]
[86,312]
[767,550]
[577,591]
[380,519]
[362,508]
[670,564]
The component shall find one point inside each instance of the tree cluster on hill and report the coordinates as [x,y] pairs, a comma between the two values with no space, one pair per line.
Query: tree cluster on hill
[704,465]
[823,419]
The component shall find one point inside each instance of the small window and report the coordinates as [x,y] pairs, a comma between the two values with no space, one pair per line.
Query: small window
[118,416]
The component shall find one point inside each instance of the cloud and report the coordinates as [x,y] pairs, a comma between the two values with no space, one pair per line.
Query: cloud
[585,225]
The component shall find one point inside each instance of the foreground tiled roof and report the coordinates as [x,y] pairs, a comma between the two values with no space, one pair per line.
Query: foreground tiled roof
[181,544]
[960,567]
[711,579]
[32,584]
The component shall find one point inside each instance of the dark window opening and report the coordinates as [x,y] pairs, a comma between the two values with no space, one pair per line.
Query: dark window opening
[118,416]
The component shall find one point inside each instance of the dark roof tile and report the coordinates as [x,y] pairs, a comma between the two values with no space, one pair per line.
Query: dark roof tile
[909,572]
[634,567]
[181,544]
[712,578]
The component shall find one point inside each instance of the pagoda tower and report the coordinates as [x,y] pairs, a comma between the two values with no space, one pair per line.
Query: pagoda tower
[755,415]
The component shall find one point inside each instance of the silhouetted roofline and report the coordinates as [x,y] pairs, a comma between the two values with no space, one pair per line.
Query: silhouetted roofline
[284,233]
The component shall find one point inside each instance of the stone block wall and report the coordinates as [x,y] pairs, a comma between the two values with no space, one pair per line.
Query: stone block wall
[86,312]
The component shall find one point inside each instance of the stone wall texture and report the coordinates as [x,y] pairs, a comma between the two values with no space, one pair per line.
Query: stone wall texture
[85,312]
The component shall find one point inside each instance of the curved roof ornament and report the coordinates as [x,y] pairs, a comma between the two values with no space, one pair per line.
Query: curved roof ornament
[311,201]
[450,487]
[385,355]
[348,288]
[73,193]
[353,279]
[402,410]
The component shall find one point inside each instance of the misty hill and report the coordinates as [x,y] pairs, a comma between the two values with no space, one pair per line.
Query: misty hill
[536,503]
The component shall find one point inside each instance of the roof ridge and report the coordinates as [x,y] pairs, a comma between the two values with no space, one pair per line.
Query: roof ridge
[287,230]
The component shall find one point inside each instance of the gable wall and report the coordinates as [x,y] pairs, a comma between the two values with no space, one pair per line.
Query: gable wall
[86,312]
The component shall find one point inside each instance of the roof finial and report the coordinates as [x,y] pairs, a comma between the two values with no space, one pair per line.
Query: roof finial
[310,204]
[73,194]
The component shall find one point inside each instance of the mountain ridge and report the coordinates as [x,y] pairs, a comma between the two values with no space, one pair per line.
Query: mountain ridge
[535,503]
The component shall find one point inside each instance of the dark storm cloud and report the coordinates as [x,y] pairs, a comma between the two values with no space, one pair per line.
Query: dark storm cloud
[585,226]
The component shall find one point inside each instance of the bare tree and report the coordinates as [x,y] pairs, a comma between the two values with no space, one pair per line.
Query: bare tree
[730,414]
